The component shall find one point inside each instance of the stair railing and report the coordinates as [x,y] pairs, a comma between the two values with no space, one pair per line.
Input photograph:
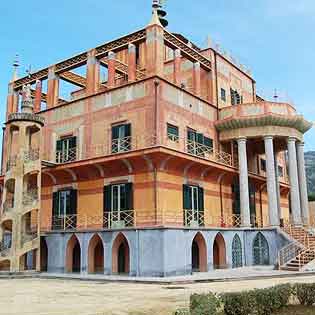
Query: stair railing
[289,252]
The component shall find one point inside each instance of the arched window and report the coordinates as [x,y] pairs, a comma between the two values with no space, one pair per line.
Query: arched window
[237,255]
[260,250]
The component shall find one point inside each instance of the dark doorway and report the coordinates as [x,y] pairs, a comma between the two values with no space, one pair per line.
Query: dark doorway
[76,260]
[195,257]
[121,259]
[43,255]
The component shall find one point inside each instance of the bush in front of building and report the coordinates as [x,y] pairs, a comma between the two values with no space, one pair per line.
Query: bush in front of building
[271,299]
[183,311]
[238,303]
[305,293]
[204,304]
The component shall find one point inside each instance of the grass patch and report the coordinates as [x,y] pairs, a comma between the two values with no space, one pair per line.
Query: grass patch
[297,310]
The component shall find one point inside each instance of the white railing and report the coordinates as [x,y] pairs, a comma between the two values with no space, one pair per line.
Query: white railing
[194,218]
[109,220]
[64,156]
[289,252]
[121,145]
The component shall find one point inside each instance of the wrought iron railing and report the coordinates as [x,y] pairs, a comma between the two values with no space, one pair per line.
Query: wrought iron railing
[28,236]
[65,156]
[31,155]
[8,205]
[289,252]
[11,162]
[120,219]
[30,196]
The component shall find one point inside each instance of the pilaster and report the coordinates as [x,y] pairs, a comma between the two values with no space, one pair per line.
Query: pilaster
[53,88]
[177,67]
[92,73]
[111,69]
[132,66]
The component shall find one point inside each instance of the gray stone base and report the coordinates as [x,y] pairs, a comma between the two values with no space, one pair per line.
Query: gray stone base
[160,252]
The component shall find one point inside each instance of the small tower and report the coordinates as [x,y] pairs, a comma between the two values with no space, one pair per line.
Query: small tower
[20,211]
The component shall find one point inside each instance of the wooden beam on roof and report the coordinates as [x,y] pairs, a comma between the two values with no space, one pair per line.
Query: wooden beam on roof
[81,59]
[188,52]
[44,98]
[73,78]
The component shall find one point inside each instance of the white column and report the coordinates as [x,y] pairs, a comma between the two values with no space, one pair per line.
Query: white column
[243,177]
[302,182]
[294,183]
[278,186]
[271,182]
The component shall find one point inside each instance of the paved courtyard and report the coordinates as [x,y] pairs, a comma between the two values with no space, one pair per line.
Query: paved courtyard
[72,297]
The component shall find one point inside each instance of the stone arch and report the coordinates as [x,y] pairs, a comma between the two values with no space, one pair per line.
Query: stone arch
[237,252]
[96,255]
[120,255]
[199,254]
[260,250]
[219,252]
[43,255]
[73,255]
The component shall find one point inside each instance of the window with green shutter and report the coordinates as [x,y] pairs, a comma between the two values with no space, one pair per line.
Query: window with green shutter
[121,138]
[66,150]
[172,132]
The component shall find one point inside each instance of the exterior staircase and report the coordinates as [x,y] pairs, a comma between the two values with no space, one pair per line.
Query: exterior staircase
[298,253]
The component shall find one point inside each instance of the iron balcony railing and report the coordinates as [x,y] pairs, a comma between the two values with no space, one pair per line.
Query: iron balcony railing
[121,145]
[31,155]
[11,162]
[30,196]
[8,205]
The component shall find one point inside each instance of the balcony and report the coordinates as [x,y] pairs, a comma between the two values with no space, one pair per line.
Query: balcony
[110,220]
[28,236]
[30,196]
[5,249]
[11,162]
[121,145]
[8,205]
[66,156]
[260,119]
[31,155]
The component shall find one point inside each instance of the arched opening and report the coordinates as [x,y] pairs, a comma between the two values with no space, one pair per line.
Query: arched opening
[5,265]
[43,255]
[28,260]
[261,250]
[96,255]
[198,254]
[120,255]
[6,242]
[73,255]
[237,253]
[219,252]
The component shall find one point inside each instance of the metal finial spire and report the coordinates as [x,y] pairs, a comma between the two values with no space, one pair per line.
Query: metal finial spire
[15,65]
[157,9]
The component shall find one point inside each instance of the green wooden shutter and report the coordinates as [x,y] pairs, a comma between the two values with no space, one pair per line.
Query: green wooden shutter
[129,196]
[107,198]
[187,202]
[72,142]
[59,145]
[127,130]
[191,135]
[73,201]
[208,142]
[201,198]
[115,132]
[200,138]
[55,205]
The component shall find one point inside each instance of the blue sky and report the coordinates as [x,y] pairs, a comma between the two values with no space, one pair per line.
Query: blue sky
[274,38]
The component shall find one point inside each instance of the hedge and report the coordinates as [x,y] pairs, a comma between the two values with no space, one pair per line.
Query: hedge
[255,302]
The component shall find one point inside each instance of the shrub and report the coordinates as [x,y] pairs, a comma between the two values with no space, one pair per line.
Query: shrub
[271,299]
[204,304]
[239,303]
[305,292]
[183,311]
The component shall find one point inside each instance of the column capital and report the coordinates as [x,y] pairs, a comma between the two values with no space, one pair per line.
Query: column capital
[178,53]
[300,144]
[132,48]
[292,139]
[241,139]
[111,55]
[51,73]
[268,137]
[197,65]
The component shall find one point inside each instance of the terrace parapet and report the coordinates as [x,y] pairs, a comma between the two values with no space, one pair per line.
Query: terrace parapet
[260,119]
